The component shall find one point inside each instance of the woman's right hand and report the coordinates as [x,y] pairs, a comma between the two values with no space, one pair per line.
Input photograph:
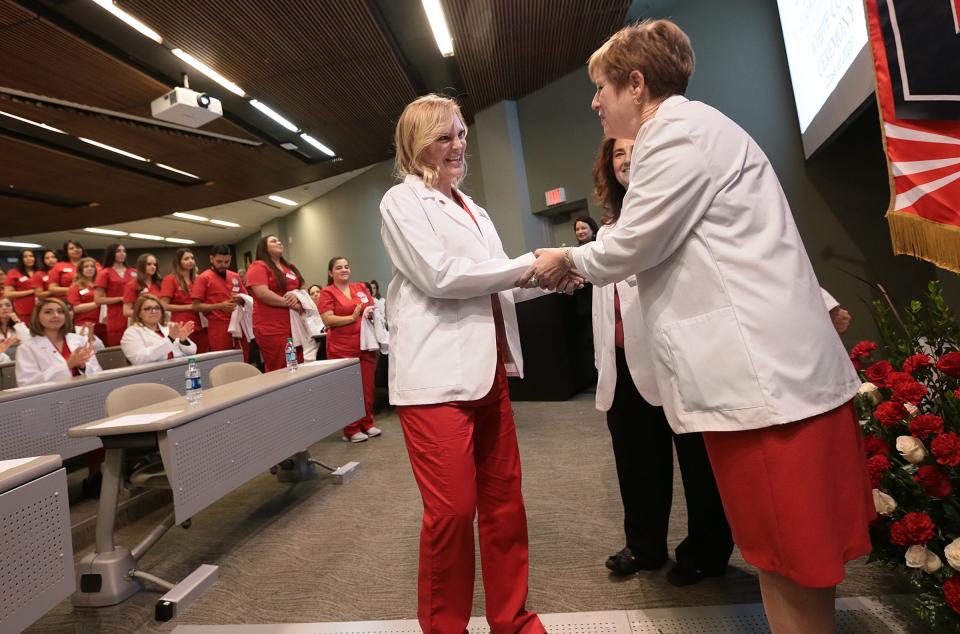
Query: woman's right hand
[186,329]
[80,356]
[174,331]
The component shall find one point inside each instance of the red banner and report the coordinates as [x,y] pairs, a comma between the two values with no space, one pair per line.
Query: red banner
[916,56]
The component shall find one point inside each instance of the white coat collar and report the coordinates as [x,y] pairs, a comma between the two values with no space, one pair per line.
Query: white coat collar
[450,207]
[671,102]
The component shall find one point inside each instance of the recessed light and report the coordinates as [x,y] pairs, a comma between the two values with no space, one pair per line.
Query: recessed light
[130,20]
[174,169]
[20,245]
[180,240]
[186,216]
[209,72]
[270,112]
[106,232]
[438,24]
[113,149]
[146,236]
[283,201]
[317,144]
[25,120]
[223,223]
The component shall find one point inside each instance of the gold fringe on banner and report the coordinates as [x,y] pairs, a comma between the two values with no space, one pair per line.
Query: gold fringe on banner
[931,241]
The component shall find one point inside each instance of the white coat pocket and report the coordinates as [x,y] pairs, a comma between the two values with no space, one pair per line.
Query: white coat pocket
[712,370]
[423,367]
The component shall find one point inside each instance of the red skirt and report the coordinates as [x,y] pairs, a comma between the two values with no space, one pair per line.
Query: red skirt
[797,496]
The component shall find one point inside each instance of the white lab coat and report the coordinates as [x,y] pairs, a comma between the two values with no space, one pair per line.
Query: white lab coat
[20,331]
[39,362]
[442,333]
[142,345]
[729,306]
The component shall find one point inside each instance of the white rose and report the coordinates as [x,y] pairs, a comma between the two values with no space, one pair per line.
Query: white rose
[952,553]
[918,556]
[933,563]
[911,449]
[912,410]
[870,392]
[886,505]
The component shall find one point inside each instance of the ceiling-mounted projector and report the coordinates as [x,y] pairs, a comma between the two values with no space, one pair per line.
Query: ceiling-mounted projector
[186,107]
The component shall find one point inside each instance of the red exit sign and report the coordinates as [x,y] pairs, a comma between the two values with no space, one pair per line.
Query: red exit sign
[556,196]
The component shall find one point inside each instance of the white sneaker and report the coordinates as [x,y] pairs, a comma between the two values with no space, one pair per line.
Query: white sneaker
[357,437]
[373,431]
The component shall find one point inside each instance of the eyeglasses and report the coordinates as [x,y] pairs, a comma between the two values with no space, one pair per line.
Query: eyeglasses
[151,309]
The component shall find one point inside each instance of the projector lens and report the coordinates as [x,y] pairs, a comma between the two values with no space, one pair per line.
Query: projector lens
[203,101]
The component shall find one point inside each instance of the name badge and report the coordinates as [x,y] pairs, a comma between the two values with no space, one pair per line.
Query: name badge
[46,278]
[291,276]
[363,298]
[67,269]
[24,278]
[145,291]
[84,291]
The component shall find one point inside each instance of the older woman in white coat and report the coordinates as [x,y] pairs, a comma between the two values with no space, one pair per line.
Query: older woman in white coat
[53,352]
[453,340]
[740,346]
[150,338]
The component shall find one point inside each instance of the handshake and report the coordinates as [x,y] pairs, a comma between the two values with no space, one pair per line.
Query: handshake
[552,270]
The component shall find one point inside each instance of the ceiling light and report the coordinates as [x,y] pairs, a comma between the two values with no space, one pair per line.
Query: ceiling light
[317,144]
[186,216]
[174,169]
[283,201]
[270,112]
[20,245]
[130,20]
[39,125]
[106,232]
[209,72]
[223,223]
[180,240]
[113,149]
[438,24]
[146,236]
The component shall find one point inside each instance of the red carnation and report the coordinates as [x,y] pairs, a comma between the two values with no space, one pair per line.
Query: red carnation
[877,467]
[956,393]
[890,413]
[899,377]
[950,364]
[924,425]
[913,528]
[951,592]
[875,445]
[908,391]
[915,362]
[878,372]
[933,481]
[862,350]
[946,449]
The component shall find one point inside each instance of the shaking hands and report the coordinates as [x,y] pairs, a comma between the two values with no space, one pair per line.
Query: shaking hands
[553,270]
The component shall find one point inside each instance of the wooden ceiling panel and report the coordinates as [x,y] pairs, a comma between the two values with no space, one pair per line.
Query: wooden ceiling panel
[507,49]
[13,14]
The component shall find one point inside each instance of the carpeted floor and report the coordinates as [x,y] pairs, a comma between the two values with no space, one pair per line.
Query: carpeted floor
[316,551]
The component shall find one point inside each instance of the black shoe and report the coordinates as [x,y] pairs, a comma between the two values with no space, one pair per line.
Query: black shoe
[91,485]
[686,575]
[626,563]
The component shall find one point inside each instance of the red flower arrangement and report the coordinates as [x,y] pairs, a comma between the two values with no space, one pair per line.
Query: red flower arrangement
[933,481]
[914,528]
[946,449]
[909,391]
[916,362]
[878,373]
[875,445]
[890,413]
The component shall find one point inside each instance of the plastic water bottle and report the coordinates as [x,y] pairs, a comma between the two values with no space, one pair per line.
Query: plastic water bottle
[290,352]
[194,389]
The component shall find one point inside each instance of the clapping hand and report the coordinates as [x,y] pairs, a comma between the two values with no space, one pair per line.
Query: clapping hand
[186,329]
[80,356]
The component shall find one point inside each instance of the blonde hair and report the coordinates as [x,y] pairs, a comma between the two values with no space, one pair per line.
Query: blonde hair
[421,123]
[659,49]
[79,278]
[143,299]
[36,328]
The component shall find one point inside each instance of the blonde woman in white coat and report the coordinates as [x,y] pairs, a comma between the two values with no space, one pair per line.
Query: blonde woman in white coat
[150,338]
[53,352]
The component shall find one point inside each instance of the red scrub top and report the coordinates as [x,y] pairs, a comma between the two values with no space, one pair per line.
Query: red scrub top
[23,306]
[171,291]
[65,353]
[41,280]
[130,292]
[113,286]
[344,341]
[210,288]
[63,273]
[271,320]
[77,296]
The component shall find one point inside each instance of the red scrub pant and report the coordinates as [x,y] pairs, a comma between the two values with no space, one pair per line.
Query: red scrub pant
[272,351]
[218,338]
[368,374]
[115,330]
[466,462]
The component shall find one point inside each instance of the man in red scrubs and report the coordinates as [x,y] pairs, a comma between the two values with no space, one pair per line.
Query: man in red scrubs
[214,294]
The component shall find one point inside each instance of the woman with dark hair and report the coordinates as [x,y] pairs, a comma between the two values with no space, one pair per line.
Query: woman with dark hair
[585,228]
[63,272]
[147,281]
[109,288]
[378,300]
[342,305]
[175,292]
[21,285]
[269,278]
[41,277]
[639,428]
[149,338]
[54,352]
